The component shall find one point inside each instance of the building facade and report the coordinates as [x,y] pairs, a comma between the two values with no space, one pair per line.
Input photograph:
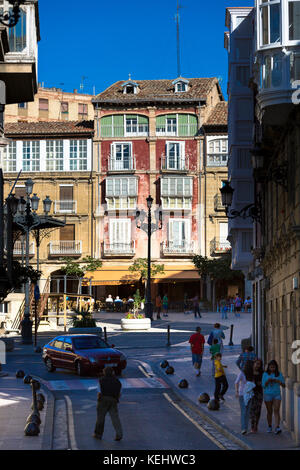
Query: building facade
[150,140]
[276,165]
[52,104]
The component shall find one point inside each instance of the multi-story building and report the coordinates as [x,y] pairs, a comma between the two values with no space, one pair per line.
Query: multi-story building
[238,42]
[276,161]
[52,104]
[149,140]
[58,157]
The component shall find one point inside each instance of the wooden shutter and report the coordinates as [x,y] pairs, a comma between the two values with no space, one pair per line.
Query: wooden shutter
[67,232]
[106,126]
[118,125]
[183,120]
[66,193]
[43,104]
[142,120]
[20,191]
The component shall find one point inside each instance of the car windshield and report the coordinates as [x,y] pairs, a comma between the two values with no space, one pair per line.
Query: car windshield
[89,343]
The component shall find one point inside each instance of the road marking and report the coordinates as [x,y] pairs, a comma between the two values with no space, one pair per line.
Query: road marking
[71,426]
[207,434]
[93,384]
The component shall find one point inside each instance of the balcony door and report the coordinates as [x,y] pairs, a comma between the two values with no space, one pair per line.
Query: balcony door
[122,156]
[175,155]
[66,198]
[179,234]
[120,234]
[67,233]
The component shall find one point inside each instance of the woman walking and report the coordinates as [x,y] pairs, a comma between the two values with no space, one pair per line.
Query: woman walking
[165,305]
[257,398]
[272,380]
[218,334]
[248,394]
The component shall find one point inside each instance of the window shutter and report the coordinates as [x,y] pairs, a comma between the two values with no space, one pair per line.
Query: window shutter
[67,232]
[183,120]
[171,230]
[106,126]
[118,125]
[193,125]
[142,120]
[20,191]
[171,116]
[161,121]
[66,193]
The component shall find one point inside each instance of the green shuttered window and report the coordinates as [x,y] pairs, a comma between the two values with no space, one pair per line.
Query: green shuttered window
[119,125]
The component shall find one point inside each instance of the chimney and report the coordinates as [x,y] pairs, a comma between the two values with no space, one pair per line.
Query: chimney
[75,91]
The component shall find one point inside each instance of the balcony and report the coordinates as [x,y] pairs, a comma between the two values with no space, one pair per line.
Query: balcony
[126,166]
[218,206]
[217,160]
[18,249]
[65,248]
[184,248]
[119,249]
[219,246]
[65,207]
[174,164]
[181,130]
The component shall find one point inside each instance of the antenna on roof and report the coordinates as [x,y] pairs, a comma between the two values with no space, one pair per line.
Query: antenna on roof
[82,83]
[177,18]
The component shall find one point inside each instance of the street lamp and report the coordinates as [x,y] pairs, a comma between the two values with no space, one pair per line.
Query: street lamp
[253,211]
[149,228]
[10,18]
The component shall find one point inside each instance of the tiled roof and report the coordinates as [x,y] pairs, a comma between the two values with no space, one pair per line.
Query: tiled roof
[49,128]
[218,116]
[157,90]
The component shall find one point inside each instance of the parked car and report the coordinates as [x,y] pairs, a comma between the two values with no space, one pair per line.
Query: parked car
[83,354]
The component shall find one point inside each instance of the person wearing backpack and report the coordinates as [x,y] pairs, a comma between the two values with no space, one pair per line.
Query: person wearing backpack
[237,305]
[218,334]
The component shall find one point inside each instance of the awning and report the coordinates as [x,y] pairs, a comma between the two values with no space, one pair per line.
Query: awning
[118,275]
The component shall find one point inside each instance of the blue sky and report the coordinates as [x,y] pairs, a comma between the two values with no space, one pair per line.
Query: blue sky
[104,41]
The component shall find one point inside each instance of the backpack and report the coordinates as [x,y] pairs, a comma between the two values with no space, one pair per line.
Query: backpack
[210,339]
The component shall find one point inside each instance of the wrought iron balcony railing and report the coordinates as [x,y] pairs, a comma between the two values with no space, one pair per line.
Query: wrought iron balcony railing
[121,165]
[119,248]
[65,207]
[65,247]
[184,247]
[18,248]
[219,245]
[174,163]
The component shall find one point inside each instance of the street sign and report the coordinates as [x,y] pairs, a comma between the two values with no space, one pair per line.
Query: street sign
[37,293]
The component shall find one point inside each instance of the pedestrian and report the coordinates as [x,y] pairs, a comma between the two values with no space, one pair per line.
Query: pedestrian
[197,341]
[272,380]
[195,301]
[158,306]
[218,334]
[239,384]
[223,308]
[185,303]
[257,398]
[108,399]
[247,355]
[214,349]
[237,305]
[248,394]
[165,305]
[221,384]
[248,304]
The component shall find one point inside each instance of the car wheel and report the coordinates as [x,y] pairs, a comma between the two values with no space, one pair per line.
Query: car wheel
[79,369]
[49,365]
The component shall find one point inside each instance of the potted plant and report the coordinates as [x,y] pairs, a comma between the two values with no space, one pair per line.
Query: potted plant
[136,320]
[83,322]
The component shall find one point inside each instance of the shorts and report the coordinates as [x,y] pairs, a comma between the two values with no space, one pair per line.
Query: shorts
[197,358]
[272,396]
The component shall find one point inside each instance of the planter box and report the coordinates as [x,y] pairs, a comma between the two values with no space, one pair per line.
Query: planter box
[136,323]
[97,330]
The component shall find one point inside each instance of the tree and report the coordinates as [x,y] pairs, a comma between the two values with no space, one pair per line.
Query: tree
[20,275]
[217,268]
[140,265]
[75,268]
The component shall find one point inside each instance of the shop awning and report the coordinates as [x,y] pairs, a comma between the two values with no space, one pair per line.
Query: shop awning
[109,276]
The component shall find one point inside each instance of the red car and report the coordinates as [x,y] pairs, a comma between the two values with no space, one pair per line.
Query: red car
[83,354]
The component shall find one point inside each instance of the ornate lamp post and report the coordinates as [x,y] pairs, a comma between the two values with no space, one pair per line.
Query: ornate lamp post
[10,18]
[149,228]
[254,211]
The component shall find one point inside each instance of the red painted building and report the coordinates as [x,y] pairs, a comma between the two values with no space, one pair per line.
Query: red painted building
[149,140]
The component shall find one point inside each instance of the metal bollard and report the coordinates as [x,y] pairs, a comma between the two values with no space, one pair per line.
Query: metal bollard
[231,334]
[105,334]
[33,422]
[168,343]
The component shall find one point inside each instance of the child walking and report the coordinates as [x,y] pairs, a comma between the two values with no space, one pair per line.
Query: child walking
[214,349]
[221,384]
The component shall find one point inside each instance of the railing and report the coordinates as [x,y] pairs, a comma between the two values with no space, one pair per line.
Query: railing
[218,203]
[65,207]
[16,322]
[67,247]
[217,160]
[121,131]
[18,248]
[121,165]
[219,245]
[174,163]
[184,247]
[182,130]
[119,248]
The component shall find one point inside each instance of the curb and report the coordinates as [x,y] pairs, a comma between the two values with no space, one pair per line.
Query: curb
[49,415]
[213,422]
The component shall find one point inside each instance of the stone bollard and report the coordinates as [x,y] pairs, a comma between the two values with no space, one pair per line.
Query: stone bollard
[33,422]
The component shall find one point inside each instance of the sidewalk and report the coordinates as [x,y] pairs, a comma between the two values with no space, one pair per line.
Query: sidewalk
[227,417]
[15,407]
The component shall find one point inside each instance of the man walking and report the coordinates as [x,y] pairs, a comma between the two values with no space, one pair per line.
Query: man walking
[108,398]
[195,301]
[197,341]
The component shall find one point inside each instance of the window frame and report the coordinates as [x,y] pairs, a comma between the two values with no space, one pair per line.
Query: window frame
[80,161]
[113,153]
[58,163]
[9,158]
[217,153]
[265,6]
[33,152]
